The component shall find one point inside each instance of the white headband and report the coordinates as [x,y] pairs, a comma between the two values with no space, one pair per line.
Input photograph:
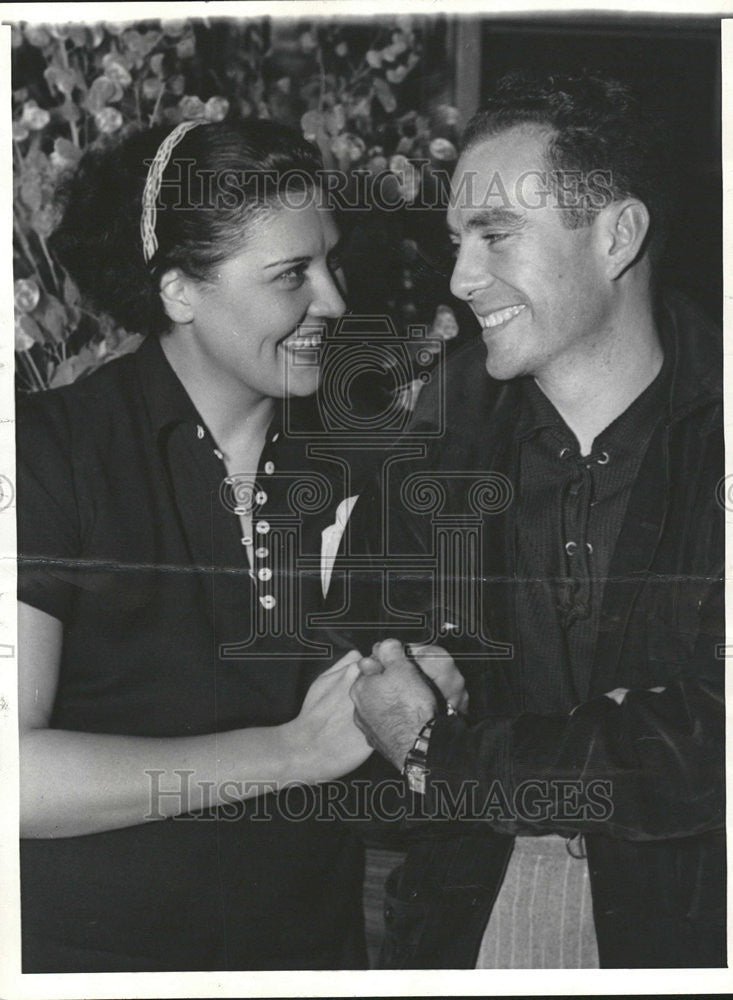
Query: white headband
[152,186]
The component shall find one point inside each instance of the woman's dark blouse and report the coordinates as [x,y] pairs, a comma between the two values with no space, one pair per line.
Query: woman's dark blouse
[125,534]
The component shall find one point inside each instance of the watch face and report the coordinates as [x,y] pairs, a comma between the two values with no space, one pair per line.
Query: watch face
[415,775]
[415,769]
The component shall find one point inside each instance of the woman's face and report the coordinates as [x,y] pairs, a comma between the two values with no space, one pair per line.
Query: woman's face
[260,320]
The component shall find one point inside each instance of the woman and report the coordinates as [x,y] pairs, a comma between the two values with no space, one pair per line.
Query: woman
[165,697]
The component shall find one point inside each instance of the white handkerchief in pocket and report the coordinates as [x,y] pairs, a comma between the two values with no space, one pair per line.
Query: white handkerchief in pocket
[331,539]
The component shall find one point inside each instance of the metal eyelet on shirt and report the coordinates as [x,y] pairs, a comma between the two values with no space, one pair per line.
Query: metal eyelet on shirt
[564,452]
[260,498]
[199,431]
[269,468]
[264,574]
[262,552]
[575,846]
[571,548]
[219,454]
[246,540]
[268,602]
[603,458]
[589,548]
[262,527]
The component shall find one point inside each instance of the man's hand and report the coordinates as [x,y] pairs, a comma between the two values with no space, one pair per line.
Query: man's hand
[435,663]
[392,701]
[442,671]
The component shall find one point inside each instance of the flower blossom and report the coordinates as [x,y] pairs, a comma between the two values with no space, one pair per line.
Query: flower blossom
[33,117]
[443,149]
[108,120]
[115,69]
[27,295]
[216,109]
[192,107]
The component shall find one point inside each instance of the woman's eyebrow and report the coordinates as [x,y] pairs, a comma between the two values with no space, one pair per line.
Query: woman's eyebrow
[304,257]
[288,260]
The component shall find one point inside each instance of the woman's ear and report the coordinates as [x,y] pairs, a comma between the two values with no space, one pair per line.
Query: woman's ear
[174,294]
[625,228]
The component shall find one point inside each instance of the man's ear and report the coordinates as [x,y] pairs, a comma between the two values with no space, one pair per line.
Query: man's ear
[624,226]
[174,294]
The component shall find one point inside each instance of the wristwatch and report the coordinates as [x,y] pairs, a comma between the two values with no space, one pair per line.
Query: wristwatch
[415,769]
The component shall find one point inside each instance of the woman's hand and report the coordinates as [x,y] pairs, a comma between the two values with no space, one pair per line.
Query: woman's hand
[323,739]
[66,789]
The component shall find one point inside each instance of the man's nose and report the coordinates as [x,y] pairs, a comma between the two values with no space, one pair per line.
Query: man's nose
[470,274]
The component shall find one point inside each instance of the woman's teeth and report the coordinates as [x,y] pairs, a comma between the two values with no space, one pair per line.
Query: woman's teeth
[302,343]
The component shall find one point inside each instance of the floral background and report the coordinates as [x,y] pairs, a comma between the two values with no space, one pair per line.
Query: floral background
[361,91]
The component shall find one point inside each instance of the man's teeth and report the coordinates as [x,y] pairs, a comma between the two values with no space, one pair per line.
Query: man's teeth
[302,343]
[500,316]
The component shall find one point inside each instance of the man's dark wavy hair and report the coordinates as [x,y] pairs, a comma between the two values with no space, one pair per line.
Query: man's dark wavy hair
[602,145]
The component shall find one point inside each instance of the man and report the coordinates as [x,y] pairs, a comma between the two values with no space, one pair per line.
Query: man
[600,732]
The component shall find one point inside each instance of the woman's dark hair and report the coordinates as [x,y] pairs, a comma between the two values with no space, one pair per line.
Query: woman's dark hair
[602,146]
[220,176]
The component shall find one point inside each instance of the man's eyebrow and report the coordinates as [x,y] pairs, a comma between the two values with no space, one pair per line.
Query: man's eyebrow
[488,217]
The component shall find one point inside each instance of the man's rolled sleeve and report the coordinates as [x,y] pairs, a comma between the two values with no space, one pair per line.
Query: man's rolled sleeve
[650,768]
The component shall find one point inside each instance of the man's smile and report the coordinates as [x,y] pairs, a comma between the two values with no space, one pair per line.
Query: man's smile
[499,317]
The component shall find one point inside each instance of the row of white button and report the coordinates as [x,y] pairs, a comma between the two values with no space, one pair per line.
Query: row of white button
[264,574]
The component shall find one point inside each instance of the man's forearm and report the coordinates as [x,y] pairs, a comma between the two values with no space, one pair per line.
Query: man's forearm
[648,768]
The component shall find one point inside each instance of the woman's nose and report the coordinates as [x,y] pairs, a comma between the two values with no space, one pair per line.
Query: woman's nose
[327,301]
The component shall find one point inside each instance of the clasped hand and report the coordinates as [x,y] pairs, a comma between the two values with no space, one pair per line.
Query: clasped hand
[379,701]
[394,698]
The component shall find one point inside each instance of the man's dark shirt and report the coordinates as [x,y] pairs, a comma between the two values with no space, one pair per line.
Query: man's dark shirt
[570,509]
[656,857]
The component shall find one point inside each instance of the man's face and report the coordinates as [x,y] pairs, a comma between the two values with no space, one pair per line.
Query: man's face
[538,289]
